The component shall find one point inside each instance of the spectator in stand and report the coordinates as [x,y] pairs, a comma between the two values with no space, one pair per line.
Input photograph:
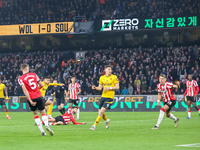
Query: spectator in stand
[130,89]
[124,91]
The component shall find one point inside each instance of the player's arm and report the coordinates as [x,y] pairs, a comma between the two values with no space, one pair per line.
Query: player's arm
[6,92]
[56,84]
[67,93]
[176,85]
[40,84]
[98,88]
[74,121]
[27,95]
[79,91]
[196,89]
[183,99]
[53,94]
[58,123]
[159,99]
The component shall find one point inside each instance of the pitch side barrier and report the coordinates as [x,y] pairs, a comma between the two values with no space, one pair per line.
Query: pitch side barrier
[122,103]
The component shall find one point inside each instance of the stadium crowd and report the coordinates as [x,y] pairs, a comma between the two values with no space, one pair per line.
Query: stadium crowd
[40,11]
[137,69]
[117,9]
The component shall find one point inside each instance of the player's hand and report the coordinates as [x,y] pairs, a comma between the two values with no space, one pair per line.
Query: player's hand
[93,87]
[32,103]
[84,122]
[76,93]
[158,104]
[183,99]
[7,99]
[106,88]
[195,96]
[62,84]
[66,99]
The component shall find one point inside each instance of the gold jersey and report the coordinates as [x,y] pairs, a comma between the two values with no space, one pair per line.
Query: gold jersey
[45,87]
[109,81]
[2,87]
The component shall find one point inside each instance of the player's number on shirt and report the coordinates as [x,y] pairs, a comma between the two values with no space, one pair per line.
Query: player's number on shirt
[32,84]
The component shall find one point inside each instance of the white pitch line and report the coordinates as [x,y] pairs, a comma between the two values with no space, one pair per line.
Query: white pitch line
[100,122]
[190,145]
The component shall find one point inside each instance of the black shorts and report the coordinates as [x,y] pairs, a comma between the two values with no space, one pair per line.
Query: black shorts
[170,104]
[45,100]
[105,102]
[74,101]
[39,104]
[60,101]
[191,98]
[2,101]
[60,118]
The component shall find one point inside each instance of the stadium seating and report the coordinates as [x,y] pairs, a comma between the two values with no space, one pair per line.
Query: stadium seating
[146,8]
[26,11]
[137,69]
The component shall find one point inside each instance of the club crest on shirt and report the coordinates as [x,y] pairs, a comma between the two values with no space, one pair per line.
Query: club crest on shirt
[110,78]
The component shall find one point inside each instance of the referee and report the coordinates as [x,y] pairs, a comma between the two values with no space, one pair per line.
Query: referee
[58,92]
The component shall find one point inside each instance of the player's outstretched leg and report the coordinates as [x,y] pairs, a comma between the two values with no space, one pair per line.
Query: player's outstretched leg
[160,118]
[39,124]
[171,116]
[189,110]
[6,111]
[197,108]
[101,112]
[107,120]
[78,112]
[45,120]
[49,111]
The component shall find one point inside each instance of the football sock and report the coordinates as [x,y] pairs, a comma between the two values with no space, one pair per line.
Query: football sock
[45,119]
[69,110]
[78,111]
[189,113]
[39,123]
[171,116]
[50,109]
[63,110]
[97,120]
[6,113]
[160,118]
[60,110]
[104,117]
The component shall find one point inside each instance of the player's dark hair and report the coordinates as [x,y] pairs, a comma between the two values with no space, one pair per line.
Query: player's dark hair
[73,77]
[23,66]
[47,77]
[162,75]
[107,66]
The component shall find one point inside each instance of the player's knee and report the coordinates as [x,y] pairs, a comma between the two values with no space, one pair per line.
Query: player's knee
[162,109]
[168,115]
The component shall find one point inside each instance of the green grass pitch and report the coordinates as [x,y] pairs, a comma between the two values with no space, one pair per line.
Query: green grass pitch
[128,130]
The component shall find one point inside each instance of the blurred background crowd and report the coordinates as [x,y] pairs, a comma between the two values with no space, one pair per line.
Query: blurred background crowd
[137,69]
[42,11]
